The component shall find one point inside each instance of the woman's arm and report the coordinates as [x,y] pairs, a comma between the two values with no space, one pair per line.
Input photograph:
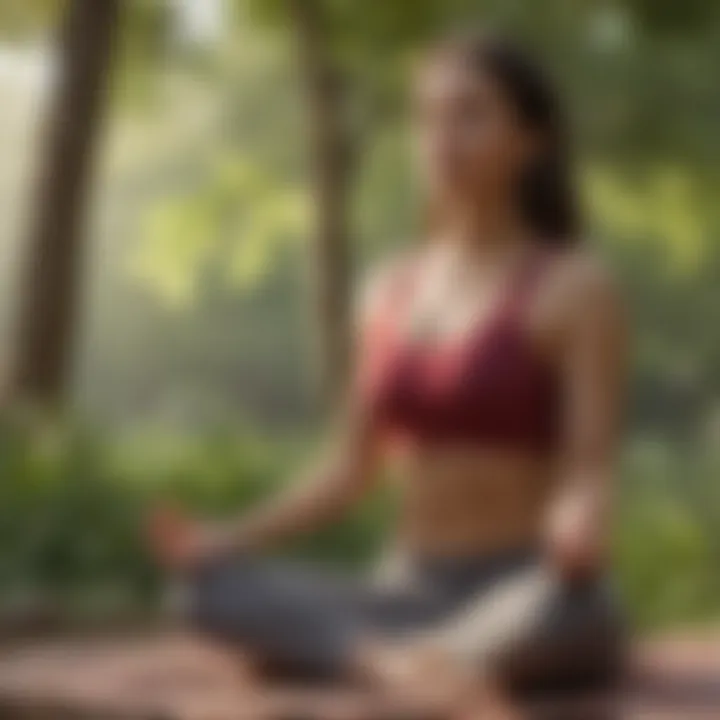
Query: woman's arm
[334,483]
[322,494]
[593,365]
[348,466]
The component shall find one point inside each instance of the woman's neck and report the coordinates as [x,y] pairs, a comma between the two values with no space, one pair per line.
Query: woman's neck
[487,237]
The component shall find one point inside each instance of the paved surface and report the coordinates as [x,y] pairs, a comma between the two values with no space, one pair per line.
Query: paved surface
[169,677]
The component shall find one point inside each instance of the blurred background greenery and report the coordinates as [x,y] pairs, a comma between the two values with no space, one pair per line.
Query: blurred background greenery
[250,162]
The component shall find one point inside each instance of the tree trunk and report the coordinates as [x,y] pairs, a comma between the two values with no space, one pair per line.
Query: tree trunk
[47,315]
[331,148]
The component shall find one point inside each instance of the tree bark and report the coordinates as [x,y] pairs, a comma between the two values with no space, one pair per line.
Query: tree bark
[47,315]
[331,145]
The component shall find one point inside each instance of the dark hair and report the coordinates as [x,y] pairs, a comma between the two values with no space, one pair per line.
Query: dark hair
[546,196]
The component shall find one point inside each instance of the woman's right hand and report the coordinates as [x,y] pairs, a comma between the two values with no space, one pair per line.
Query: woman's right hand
[179,542]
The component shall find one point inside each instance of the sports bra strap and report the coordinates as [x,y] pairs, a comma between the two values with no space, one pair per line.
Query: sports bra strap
[521,293]
[400,291]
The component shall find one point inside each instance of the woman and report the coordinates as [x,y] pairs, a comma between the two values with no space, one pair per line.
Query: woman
[491,366]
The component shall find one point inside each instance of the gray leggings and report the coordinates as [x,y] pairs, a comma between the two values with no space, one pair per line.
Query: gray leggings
[504,613]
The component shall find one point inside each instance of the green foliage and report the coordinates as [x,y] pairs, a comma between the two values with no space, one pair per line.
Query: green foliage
[26,19]
[143,43]
[666,16]
[65,519]
[667,542]
[73,510]
[237,217]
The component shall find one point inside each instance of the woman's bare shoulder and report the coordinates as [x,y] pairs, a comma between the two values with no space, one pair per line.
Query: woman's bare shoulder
[578,292]
[580,276]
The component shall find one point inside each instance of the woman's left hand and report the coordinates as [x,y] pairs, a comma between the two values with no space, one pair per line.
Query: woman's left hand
[575,536]
[179,542]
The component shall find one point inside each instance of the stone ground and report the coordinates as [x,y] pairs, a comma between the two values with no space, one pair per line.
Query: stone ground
[171,677]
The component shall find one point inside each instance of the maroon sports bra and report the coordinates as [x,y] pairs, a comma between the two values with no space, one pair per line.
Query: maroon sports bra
[492,388]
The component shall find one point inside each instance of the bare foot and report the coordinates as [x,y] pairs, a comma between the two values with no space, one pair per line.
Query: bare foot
[488,703]
[419,676]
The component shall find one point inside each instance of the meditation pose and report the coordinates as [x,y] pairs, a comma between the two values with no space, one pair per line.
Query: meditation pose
[489,371]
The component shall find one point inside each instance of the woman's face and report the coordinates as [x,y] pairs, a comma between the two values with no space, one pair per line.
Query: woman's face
[470,143]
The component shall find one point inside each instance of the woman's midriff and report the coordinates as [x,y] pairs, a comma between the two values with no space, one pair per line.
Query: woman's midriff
[463,501]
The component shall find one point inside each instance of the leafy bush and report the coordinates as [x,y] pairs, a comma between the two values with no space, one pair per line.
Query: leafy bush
[668,536]
[73,508]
